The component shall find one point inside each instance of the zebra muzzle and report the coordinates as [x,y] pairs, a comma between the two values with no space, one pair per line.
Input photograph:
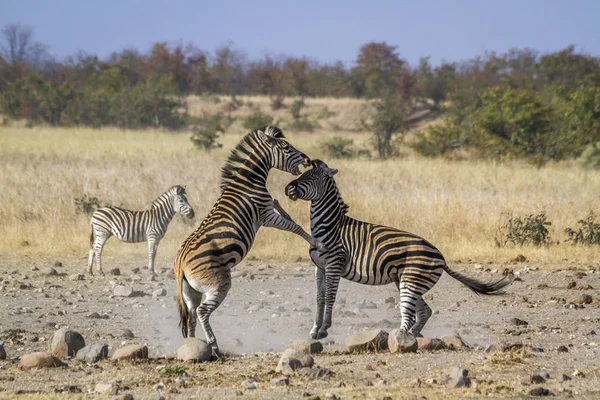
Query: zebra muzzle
[290,191]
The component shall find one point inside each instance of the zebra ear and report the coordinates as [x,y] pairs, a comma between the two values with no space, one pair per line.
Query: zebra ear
[330,171]
[267,138]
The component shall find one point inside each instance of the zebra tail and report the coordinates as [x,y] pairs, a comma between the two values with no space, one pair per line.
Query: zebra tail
[493,287]
[183,311]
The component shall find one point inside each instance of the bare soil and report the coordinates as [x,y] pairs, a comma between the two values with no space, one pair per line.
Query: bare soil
[281,299]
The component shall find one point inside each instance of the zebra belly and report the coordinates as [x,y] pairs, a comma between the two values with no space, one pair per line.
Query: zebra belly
[366,276]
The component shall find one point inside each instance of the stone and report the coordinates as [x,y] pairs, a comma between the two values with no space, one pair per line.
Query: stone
[49,271]
[578,373]
[390,300]
[454,342]
[586,299]
[131,351]
[125,396]
[331,396]
[373,340]
[66,343]
[249,385]
[95,315]
[115,272]
[518,322]
[402,342]
[41,359]
[459,378]
[307,346]
[564,378]
[571,285]
[2,351]
[159,292]
[93,353]
[289,362]
[427,344]
[563,349]
[106,388]
[307,360]
[123,291]
[127,333]
[194,350]
[34,268]
[280,381]
[539,391]
[77,277]
[536,379]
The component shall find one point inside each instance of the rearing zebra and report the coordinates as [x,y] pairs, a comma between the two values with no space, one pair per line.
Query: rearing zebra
[369,254]
[137,226]
[226,235]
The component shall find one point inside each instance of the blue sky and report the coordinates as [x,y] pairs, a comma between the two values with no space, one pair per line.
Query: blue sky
[324,30]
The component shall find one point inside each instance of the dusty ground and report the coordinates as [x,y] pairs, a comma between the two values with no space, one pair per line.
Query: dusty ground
[33,306]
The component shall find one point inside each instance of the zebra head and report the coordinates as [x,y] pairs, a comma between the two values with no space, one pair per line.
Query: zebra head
[180,202]
[313,184]
[284,156]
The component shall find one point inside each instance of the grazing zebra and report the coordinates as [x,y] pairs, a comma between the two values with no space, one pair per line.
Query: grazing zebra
[369,254]
[137,226]
[226,235]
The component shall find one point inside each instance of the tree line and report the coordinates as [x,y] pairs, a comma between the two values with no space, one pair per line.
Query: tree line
[519,104]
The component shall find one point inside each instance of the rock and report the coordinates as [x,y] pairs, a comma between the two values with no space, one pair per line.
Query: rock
[564,378]
[95,315]
[586,299]
[194,350]
[77,277]
[123,291]
[127,333]
[115,272]
[520,258]
[2,351]
[249,385]
[454,342]
[402,342]
[307,346]
[66,343]
[578,373]
[332,396]
[390,300]
[93,353]
[490,349]
[518,322]
[373,340]
[563,349]
[459,378]
[125,396]
[41,359]
[289,362]
[159,292]
[307,360]
[130,352]
[539,391]
[281,381]
[135,270]
[571,285]
[49,271]
[106,388]
[34,268]
[426,344]
[536,379]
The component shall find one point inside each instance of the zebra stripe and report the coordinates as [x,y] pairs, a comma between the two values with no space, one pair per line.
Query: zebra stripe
[137,226]
[227,233]
[369,254]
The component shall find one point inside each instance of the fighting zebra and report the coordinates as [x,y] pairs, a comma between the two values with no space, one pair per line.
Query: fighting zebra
[226,235]
[369,254]
[137,226]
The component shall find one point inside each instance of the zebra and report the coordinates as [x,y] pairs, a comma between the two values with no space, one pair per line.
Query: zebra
[369,254]
[137,226]
[204,261]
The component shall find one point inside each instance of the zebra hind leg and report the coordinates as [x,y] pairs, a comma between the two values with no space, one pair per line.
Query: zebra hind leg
[213,297]
[192,300]
[101,238]
[423,312]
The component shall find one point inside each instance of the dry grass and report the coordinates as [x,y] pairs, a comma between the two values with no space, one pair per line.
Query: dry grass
[455,205]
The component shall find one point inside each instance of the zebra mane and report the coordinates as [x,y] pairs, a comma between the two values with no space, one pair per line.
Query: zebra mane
[177,189]
[240,153]
[344,207]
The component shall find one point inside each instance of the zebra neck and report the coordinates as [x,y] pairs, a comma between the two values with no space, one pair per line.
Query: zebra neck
[326,215]
[163,210]
[253,172]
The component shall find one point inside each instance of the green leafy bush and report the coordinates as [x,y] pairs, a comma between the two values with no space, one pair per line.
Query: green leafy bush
[207,130]
[277,103]
[296,108]
[531,229]
[303,125]
[256,120]
[588,232]
[86,204]
[337,147]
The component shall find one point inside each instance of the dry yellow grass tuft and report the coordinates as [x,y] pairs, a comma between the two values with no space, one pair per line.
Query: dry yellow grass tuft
[455,205]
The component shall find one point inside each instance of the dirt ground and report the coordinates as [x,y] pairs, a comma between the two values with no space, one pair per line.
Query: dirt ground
[273,303]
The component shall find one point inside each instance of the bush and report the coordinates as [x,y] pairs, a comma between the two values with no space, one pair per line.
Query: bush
[439,140]
[588,232]
[207,129]
[324,113]
[303,125]
[277,103]
[590,158]
[336,147]
[256,120]
[531,229]
[296,108]
[86,204]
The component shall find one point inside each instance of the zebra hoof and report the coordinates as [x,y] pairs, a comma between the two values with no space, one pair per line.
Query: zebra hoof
[321,335]
[216,355]
[152,278]
[313,335]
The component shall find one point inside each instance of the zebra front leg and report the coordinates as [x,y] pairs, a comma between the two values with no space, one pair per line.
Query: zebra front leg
[101,239]
[213,297]
[274,220]
[423,312]
[332,281]
[152,246]
[320,279]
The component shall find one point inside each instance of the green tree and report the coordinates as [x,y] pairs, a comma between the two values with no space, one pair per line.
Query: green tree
[378,67]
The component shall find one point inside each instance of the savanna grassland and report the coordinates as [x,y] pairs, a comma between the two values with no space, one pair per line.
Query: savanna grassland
[457,205]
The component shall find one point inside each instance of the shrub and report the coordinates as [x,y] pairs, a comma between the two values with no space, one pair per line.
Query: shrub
[256,120]
[296,108]
[588,232]
[86,204]
[590,157]
[303,124]
[531,229]
[207,129]
[277,103]
[174,370]
[439,140]
[324,113]
[336,147]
